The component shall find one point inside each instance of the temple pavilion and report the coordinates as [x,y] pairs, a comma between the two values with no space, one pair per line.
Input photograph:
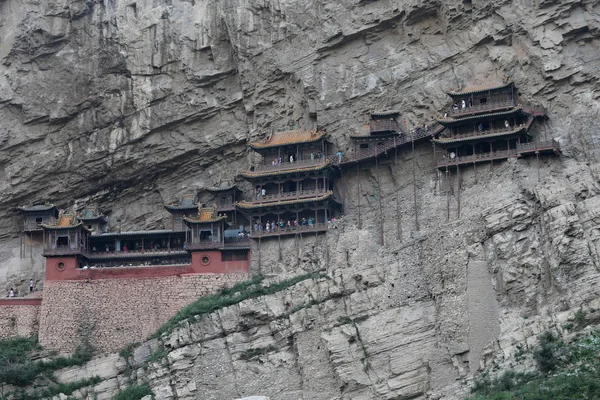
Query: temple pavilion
[486,123]
[65,236]
[37,214]
[293,183]
[206,230]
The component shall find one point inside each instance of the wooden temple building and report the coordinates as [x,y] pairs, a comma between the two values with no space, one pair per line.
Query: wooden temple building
[293,185]
[487,123]
[292,182]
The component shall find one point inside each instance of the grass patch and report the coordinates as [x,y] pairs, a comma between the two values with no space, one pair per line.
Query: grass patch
[257,351]
[566,372]
[134,392]
[54,390]
[228,297]
[16,367]
[157,356]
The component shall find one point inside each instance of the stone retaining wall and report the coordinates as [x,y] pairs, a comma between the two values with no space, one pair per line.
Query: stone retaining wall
[113,313]
[19,317]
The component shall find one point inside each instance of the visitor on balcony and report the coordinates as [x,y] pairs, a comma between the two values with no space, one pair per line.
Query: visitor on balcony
[319,155]
[312,156]
[263,192]
[506,124]
[11,293]
[340,154]
[273,226]
[463,104]
[480,127]
[31,286]
[125,248]
[310,222]
[303,222]
[291,158]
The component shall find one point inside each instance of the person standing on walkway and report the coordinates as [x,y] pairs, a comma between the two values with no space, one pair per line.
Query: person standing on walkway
[31,286]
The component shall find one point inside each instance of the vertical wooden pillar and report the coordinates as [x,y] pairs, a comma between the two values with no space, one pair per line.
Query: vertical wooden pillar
[358,192]
[458,188]
[379,198]
[415,185]
[447,194]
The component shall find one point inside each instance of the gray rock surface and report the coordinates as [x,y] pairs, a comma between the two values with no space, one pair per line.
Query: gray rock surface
[130,104]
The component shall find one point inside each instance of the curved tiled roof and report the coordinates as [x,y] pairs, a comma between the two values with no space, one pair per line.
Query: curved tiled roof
[37,207]
[389,113]
[450,121]
[139,233]
[477,137]
[223,188]
[246,205]
[257,174]
[478,88]
[204,220]
[288,137]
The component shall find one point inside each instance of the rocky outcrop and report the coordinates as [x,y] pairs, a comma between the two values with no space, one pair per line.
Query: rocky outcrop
[128,104]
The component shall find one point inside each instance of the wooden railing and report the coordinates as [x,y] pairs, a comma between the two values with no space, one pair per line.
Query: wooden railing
[135,253]
[491,106]
[237,242]
[492,131]
[383,125]
[204,244]
[387,144]
[63,251]
[318,227]
[297,194]
[522,149]
[289,165]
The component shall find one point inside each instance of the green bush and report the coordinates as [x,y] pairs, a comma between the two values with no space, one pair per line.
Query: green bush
[257,351]
[134,392]
[16,367]
[545,354]
[580,317]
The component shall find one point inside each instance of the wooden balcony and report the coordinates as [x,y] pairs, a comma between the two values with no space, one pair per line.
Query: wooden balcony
[524,149]
[289,165]
[383,125]
[387,144]
[64,251]
[32,226]
[481,108]
[295,195]
[237,242]
[204,245]
[295,230]
[101,255]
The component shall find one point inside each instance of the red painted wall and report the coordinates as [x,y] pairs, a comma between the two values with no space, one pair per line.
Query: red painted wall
[215,265]
[198,266]
[20,302]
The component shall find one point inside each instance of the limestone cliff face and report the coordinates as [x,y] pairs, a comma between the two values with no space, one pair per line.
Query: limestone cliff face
[130,103]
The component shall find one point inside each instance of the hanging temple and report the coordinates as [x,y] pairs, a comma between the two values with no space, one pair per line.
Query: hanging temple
[292,190]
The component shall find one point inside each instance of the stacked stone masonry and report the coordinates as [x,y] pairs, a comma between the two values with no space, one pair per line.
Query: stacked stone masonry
[19,318]
[112,313]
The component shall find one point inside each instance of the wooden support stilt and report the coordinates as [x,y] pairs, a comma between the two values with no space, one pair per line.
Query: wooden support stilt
[358,193]
[415,185]
[259,255]
[448,194]
[279,237]
[458,190]
[380,205]
[398,217]
[537,157]
[343,190]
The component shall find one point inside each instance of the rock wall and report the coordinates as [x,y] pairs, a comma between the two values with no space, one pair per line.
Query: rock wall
[19,317]
[128,104]
[112,313]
